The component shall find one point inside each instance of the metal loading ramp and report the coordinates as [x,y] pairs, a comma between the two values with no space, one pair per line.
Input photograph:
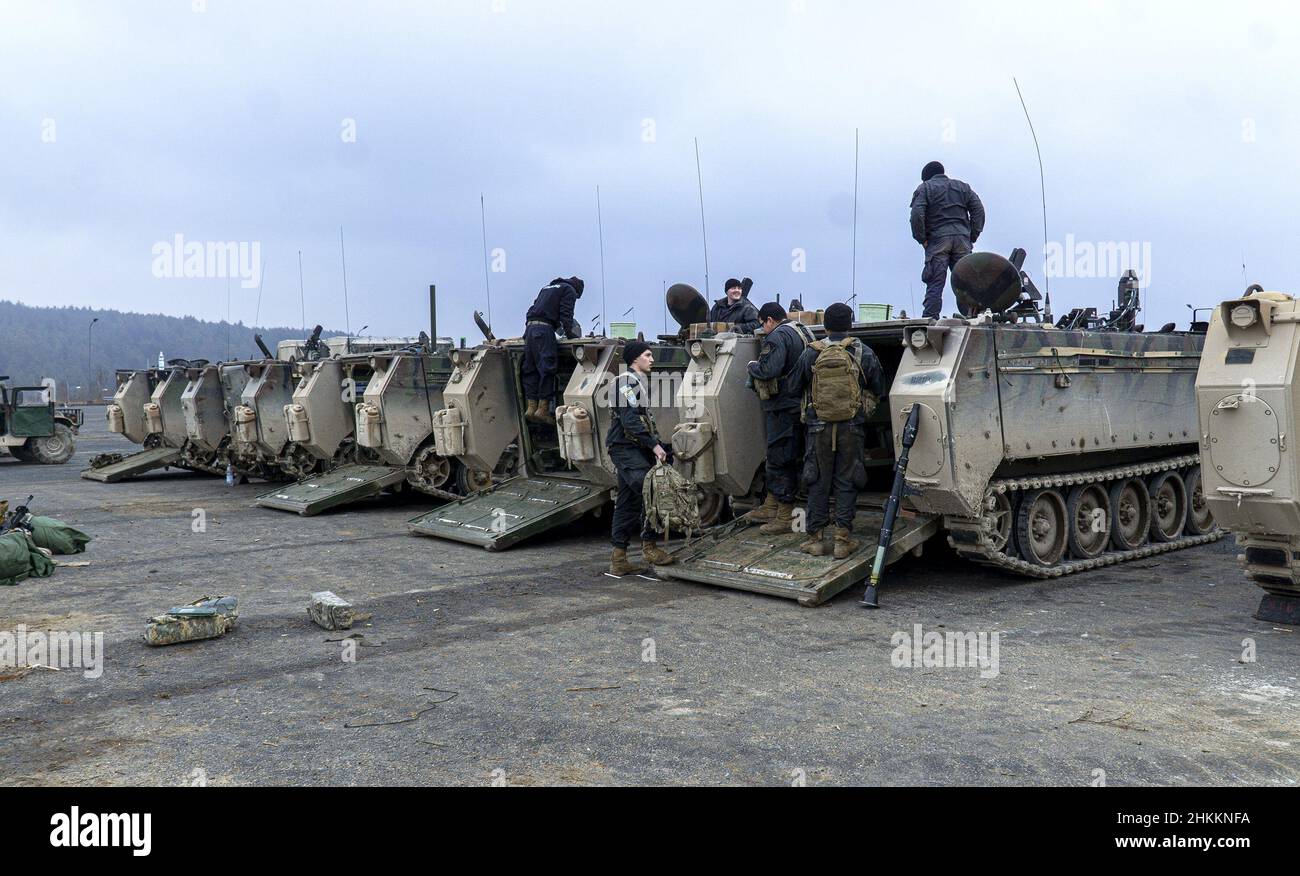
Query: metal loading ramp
[341,486]
[742,558]
[135,464]
[517,509]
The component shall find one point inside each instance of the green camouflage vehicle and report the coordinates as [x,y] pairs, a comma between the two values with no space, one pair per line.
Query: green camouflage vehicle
[32,429]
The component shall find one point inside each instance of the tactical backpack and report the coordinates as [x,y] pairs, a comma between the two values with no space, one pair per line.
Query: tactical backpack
[836,393]
[671,501]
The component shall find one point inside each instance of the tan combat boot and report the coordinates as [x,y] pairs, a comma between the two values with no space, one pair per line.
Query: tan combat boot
[763,513]
[543,414]
[620,565]
[655,555]
[845,543]
[781,522]
[814,544]
[532,409]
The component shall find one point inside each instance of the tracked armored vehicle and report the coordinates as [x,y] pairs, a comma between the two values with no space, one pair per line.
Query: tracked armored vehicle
[1042,449]
[563,471]
[1247,405]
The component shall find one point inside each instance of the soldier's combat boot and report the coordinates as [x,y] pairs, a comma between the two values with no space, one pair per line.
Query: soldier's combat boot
[620,565]
[781,522]
[655,555]
[543,414]
[763,513]
[814,544]
[531,413]
[845,543]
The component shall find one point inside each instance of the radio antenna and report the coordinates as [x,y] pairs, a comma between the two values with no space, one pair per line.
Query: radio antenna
[853,287]
[1042,188]
[600,229]
[487,282]
[260,283]
[703,227]
[347,317]
[302,298]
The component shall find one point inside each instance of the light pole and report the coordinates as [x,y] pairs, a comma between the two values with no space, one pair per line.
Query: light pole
[90,376]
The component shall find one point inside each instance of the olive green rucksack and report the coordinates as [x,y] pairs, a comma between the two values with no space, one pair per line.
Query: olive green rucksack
[671,501]
[836,386]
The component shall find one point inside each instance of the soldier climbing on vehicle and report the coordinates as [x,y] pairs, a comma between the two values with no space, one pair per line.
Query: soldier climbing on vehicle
[842,382]
[552,312]
[735,307]
[783,342]
[634,447]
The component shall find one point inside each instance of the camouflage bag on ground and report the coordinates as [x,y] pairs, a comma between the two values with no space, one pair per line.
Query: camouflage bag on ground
[205,618]
[836,386]
[671,501]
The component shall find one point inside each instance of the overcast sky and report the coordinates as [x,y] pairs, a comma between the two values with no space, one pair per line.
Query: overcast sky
[1168,126]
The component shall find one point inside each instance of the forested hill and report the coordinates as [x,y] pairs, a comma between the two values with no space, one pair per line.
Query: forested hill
[38,342]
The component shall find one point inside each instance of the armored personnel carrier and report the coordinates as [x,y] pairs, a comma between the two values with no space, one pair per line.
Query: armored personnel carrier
[378,430]
[1245,397]
[1042,449]
[563,471]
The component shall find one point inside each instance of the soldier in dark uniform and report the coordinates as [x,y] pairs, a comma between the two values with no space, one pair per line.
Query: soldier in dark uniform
[947,218]
[783,342]
[835,460]
[634,447]
[552,312]
[734,307]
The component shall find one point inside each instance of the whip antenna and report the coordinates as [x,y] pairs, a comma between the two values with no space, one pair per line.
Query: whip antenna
[1042,188]
[600,230]
[703,227]
[853,287]
[487,282]
[347,318]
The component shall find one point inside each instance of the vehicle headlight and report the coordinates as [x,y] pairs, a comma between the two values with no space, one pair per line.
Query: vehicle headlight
[1244,316]
[919,339]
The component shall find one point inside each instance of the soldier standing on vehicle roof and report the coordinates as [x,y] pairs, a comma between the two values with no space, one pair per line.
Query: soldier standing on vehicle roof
[735,307]
[841,388]
[783,342]
[634,448]
[552,312]
[947,218]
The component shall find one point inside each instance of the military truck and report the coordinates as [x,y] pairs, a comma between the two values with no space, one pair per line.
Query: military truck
[562,472]
[1246,404]
[31,428]
[1043,449]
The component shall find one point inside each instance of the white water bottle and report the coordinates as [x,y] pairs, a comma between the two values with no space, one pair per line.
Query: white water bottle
[230,474]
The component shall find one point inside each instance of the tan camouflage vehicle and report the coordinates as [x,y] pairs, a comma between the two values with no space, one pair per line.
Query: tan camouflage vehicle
[1246,394]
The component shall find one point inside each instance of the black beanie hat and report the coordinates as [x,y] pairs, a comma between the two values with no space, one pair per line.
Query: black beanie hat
[632,351]
[932,169]
[577,284]
[731,284]
[839,317]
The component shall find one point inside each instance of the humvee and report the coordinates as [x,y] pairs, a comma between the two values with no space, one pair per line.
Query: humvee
[32,429]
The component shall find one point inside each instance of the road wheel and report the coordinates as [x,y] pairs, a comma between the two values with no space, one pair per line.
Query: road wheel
[1088,510]
[1168,506]
[713,505]
[54,449]
[1130,514]
[472,480]
[1041,530]
[1199,519]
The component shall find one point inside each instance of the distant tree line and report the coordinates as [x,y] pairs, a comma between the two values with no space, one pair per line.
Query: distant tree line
[40,342]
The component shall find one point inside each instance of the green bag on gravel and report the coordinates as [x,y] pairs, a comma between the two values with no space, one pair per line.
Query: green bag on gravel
[20,558]
[57,536]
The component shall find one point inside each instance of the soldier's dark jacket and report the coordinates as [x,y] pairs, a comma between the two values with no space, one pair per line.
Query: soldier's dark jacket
[777,359]
[742,313]
[632,426]
[871,377]
[554,304]
[943,207]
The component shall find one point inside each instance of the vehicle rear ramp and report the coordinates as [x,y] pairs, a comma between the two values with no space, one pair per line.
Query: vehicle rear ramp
[135,464]
[739,556]
[341,486]
[517,509]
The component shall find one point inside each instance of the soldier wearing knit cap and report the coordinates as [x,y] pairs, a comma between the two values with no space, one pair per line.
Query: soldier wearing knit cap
[634,447]
[735,307]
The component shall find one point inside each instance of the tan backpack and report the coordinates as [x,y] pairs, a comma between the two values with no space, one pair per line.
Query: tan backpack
[836,391]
